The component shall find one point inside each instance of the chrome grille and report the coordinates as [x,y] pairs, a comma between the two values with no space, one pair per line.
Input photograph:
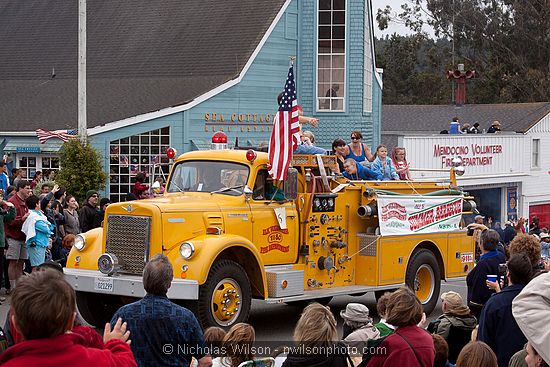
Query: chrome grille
[128,238]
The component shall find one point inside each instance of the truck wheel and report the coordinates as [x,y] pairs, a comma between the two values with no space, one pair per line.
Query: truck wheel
[225,297]
[424,278]
[97,309]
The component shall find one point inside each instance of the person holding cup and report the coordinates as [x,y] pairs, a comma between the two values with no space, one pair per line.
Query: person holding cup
[476,280]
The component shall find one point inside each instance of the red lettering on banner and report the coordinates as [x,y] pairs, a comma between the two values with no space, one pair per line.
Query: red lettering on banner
[422,219]
[448,210]
[393,210]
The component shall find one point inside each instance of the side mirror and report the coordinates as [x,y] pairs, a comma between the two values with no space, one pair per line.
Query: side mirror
[247,191]
[291,184]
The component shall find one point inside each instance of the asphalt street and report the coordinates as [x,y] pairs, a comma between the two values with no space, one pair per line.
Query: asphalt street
[276,322]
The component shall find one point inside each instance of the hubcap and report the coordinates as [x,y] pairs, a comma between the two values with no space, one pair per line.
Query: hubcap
[226,302]
[424,283]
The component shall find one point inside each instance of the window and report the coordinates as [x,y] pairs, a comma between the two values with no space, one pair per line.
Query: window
[138,153]
[32,163]
[535,148]
[331,55]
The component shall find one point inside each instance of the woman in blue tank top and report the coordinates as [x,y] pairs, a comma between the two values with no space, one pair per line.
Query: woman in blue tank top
[357,149]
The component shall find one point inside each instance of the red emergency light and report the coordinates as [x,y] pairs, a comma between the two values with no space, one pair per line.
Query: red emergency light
[219,138]
[171,153]
[251,155]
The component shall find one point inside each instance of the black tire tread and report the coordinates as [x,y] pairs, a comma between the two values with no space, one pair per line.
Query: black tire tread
[418,258]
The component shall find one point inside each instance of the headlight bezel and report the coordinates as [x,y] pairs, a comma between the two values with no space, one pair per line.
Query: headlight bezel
[187,250]
[80,242]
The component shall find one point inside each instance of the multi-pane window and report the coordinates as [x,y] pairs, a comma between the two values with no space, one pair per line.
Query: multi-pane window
[331,55]
[535,163]
[138,153]
[32,163]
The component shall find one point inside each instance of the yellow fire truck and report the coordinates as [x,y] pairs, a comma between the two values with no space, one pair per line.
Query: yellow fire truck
[233,234]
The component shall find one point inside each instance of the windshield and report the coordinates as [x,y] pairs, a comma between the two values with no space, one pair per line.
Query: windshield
[208,176]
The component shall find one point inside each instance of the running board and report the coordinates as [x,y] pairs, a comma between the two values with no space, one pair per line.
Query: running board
[331,292]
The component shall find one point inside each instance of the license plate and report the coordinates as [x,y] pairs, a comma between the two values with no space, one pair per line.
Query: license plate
[103,284]
[467,257]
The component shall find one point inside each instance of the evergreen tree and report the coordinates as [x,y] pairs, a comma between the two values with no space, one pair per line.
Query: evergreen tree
[81,169]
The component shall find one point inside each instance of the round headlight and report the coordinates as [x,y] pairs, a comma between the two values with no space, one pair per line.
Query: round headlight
[187,250]
[80,242]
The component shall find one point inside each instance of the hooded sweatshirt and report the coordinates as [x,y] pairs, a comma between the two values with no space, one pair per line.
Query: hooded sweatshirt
[460,321]
[67,350]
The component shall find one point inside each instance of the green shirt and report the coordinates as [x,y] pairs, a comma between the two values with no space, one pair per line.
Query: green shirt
[6,215]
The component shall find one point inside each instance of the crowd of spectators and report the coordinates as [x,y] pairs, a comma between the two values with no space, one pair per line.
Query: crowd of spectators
[41,224]
[511,328]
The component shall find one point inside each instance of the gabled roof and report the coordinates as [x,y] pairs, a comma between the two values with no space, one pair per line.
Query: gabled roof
[514,117]
[142,56]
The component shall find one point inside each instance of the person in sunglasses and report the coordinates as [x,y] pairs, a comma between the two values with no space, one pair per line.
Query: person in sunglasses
[88,212]
[358,150]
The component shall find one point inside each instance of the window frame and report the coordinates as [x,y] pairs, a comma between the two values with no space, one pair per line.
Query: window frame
[535,153]
[320,99]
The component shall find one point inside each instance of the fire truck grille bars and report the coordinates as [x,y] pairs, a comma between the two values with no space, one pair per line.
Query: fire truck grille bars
[128,238]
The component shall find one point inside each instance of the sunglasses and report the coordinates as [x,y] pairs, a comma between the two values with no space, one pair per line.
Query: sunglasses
[94,196]
[355,138]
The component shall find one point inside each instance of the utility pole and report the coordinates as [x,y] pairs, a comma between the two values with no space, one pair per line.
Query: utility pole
[82,123]
[453,54]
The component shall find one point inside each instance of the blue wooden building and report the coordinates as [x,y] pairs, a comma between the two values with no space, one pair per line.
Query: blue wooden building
[171,73]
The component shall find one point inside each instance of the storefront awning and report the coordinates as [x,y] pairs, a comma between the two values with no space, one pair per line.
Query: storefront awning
[30,145]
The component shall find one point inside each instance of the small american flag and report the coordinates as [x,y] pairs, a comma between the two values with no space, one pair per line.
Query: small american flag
[285,134]
[44,135]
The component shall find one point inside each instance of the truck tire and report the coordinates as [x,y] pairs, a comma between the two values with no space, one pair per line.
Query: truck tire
[225,297]
[97,309]
[424,278]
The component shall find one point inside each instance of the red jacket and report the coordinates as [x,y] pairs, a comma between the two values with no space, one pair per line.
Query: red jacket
[398,353]
[13,228]
[67,350]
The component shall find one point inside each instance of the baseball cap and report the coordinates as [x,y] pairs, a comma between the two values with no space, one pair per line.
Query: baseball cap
[479,217]
[544,235]
[453,299]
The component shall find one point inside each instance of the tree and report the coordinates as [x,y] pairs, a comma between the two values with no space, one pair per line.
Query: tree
[81,169]
[506,41]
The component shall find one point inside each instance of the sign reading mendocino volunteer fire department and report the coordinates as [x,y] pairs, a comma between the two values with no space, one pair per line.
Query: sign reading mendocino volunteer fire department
[399,215]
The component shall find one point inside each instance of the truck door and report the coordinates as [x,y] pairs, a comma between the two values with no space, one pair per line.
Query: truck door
[276,245]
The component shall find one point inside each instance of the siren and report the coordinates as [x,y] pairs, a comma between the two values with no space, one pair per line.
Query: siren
[470,74]
[219,140]
[171,153]
[251,155]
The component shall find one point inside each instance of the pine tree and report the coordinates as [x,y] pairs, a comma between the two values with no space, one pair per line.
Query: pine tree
[81,169]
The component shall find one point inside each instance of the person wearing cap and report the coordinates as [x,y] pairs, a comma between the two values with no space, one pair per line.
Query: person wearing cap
[88,212]
[455,324]
[358,326]
[509,232]
[495,127]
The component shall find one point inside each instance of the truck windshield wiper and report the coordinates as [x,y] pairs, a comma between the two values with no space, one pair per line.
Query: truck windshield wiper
[224,189]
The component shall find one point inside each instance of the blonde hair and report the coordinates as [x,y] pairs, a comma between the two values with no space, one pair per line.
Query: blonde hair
[476,354]
[317,326]
[310,135]
[239,339]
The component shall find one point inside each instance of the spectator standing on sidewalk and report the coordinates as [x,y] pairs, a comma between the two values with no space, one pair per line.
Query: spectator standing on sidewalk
[156,322]
[497,326]
[72,224]
[15,238]
[89,210]
[7,213]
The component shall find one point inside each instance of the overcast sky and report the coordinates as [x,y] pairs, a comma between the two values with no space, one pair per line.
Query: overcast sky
[393,27]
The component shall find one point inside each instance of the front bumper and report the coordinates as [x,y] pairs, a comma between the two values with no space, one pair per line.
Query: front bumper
[125,285]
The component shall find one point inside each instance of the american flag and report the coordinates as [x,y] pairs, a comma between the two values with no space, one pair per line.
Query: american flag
[285,134]
[44,135]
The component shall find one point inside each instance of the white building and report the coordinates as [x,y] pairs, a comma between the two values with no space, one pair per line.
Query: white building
[508,173]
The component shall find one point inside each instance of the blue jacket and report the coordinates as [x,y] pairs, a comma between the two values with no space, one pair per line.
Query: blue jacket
[364,173]
[4,183]
[475,280]
[388,172]
[497,326]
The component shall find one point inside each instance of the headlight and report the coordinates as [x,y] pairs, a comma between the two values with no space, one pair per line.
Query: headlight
[80,242]
[108,264]
[187,250]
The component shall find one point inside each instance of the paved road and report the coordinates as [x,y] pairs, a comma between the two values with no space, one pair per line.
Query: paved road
[276,322]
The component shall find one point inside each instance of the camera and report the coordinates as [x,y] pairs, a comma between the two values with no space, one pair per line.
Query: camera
[470,232]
